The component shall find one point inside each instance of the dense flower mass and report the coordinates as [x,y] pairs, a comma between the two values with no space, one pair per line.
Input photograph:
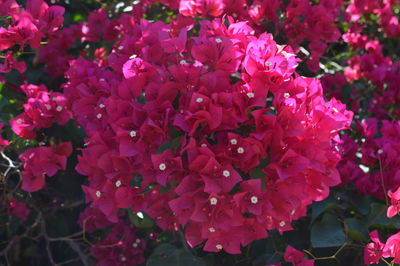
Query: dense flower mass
[200,115]
[219,121]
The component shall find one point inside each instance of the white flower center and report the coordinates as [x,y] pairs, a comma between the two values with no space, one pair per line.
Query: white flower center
[98,193]
[199,100]
[240,150]
[132,133]
[102,106]
[226,173]
[233,141]
[118,183]
[286,95]
[121,47]
[219,246]
[59,108]
[213,201]
[99,116]
[250,94]
[282,224]
[254,199]
[48,107]
[380,151]
[211,229]
[218,40]
[162,166]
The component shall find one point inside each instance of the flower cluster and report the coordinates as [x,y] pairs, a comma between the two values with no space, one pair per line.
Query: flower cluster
[379,162]
[41,110]
[41,161]
[207,126]
[299,20]
[376,250]
[29,25]
[226,139]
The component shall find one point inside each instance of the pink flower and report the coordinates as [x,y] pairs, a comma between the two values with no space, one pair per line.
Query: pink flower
[373,251]
[392,248]
[41,161]
[18,209]
[296,257]
[394,208]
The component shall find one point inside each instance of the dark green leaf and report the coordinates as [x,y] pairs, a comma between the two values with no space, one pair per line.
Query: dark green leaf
[170,255]
[327,232]
[356,229]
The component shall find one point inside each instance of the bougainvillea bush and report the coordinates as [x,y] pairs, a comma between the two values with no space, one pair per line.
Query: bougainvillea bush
[205,132]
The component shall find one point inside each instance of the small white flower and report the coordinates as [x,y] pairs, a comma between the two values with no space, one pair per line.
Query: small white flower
[59,108]
[380,151]
[133,56]
[98,193]
[118,183]
[254,199]
[199,100]
[286,95]
[219,246]
[226,173]
[162,166]
[250,94]
[99,116]
[121,47]
[48,107]
[218,40]
[102,106]
[132,133]
[240,150]
[233,141]
[268,64]
[213,201]
[282,224]
[211,229]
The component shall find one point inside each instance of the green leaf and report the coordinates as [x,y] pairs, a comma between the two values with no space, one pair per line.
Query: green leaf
[377,216]
[327,232]
[257,173]
[356,229]
[170,255]
[320,207]
[140,219]
[173,145]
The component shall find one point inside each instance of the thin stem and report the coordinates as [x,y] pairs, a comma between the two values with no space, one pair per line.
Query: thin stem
[382,180]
